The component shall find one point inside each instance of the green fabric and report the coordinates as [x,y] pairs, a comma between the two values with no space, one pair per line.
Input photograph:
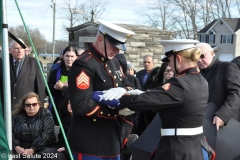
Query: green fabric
[4,148]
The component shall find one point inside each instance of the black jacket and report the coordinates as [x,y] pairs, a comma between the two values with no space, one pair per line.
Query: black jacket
[58,95]
[42,130]
[224,89]
[95,129]
[144,118]
[150,82]
[66,121]
[134,81]
[181,103]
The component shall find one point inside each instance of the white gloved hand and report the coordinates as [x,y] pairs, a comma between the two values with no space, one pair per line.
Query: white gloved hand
[125,112]
[113,93]
[134,92]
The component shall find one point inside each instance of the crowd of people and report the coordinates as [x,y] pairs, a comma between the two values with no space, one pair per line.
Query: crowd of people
[100,99]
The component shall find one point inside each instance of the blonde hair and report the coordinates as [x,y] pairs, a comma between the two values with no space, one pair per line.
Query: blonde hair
[20,107]
[191,54]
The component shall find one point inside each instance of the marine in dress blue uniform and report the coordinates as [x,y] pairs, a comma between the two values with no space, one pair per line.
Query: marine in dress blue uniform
[180,102]
[97,132]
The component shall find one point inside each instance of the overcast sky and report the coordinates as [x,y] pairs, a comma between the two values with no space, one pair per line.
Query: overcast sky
[39,14]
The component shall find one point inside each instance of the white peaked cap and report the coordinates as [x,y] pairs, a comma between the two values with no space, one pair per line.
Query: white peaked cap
[115,31]
[177,45]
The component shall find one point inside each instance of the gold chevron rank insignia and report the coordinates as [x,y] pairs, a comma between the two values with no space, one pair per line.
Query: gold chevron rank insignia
[83,81]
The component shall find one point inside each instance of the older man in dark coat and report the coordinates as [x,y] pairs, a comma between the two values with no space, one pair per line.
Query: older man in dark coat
[25,74]
[224,85]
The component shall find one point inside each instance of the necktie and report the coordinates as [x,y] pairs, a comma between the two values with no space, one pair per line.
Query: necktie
[145,77]
[16,68]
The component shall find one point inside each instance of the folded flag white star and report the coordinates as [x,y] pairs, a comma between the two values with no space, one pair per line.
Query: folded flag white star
[113,104]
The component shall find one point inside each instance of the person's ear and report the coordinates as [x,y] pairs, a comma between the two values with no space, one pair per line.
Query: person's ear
[99,39]
[212,53]
[179,59]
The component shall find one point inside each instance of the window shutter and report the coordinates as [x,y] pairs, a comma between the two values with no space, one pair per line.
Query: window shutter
[207,38]
[221,39]
[232,39]
[200,38]
[213,39]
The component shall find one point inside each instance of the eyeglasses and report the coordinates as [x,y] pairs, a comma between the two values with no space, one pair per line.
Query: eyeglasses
[31,104]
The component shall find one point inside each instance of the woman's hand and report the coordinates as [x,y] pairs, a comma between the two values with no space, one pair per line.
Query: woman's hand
[59,85]
[61,149]
[65,83]
[29,151]
[19,150]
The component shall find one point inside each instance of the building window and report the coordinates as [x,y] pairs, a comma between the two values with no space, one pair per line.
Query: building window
[225,57]
[203,38]
[211,38]
[227,38]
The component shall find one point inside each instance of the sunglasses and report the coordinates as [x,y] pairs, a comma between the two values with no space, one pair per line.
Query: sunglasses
[31,104]
[202,56]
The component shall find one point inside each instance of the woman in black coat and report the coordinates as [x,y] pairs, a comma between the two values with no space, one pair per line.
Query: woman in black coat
[32,128]
[163,74]
[58,79]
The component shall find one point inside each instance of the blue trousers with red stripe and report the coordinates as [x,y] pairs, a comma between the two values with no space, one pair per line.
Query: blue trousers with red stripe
[80,156]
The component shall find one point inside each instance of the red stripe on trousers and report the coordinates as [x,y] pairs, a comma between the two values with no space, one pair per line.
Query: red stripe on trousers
[79,156]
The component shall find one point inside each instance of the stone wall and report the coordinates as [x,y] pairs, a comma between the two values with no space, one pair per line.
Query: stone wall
[145,42]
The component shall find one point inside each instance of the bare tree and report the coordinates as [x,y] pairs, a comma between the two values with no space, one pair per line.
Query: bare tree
[222,8]
[98,7]
[238,6]
[189,8]
[176,15]
[69,12]
[40,43]
[205,8]
[76,13]
[228,3]
[38,38]
[157,14]
[186,17]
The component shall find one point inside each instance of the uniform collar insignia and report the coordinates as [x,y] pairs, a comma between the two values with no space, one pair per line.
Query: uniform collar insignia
[97,54]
